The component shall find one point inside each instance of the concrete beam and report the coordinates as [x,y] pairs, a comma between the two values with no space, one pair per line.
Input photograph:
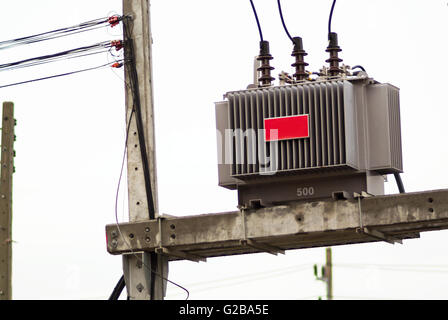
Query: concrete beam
[296,225]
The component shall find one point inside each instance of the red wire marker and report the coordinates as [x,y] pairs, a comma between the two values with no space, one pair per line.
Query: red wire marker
[117,65]
[118,44]
[113,21]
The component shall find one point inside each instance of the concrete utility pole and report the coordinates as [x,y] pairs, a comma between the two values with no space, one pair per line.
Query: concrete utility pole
[137,267]
[326,274]
[329,275]
[7,169]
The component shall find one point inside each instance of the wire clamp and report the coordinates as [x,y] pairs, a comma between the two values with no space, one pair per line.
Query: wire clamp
[118,44]
[114,20]
[117,65]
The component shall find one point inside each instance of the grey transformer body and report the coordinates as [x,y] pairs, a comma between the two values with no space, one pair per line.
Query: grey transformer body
[354,140]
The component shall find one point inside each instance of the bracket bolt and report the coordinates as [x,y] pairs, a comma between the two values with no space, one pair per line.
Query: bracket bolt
[140,287]
[114,243]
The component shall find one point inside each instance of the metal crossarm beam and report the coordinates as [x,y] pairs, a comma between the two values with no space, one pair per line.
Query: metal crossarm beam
[293,226]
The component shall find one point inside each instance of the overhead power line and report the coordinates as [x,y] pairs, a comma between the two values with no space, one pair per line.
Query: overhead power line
[258,21]
[402,268]
[62,32]
[331,16]
[114,65]
[97,48]
[283,21]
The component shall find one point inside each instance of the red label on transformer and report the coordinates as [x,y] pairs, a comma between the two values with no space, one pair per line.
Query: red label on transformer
[285,128]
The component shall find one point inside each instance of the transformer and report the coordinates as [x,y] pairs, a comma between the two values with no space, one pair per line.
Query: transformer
[308,140]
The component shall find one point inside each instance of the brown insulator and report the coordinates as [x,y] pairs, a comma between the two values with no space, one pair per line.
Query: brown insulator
[300,63]
[265,68]
[334,59]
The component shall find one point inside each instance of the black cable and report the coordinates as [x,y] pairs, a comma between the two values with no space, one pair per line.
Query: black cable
[55,36]
[258,22]
[359,67]
[118,289]
[53,60]
[399,182]
[82,25]
[55,56]
[331,16]
[54,76]
[283,21]
[85,26]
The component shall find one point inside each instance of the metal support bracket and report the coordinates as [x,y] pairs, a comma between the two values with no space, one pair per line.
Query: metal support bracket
[262,246]
[369,231]
[180,254]
[379,235]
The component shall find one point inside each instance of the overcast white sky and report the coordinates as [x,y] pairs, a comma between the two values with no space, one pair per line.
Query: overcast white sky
[70,138]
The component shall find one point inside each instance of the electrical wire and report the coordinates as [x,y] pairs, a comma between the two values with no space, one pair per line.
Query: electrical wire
[50,60]
[72,53]
[256,275]
[359,67]
[57,33]
[118,289]
[331,16]
[256,18]
[114,58]
[400,184]
[402,268]
[54,76]
[250,277]
[40,39]
[283,21]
